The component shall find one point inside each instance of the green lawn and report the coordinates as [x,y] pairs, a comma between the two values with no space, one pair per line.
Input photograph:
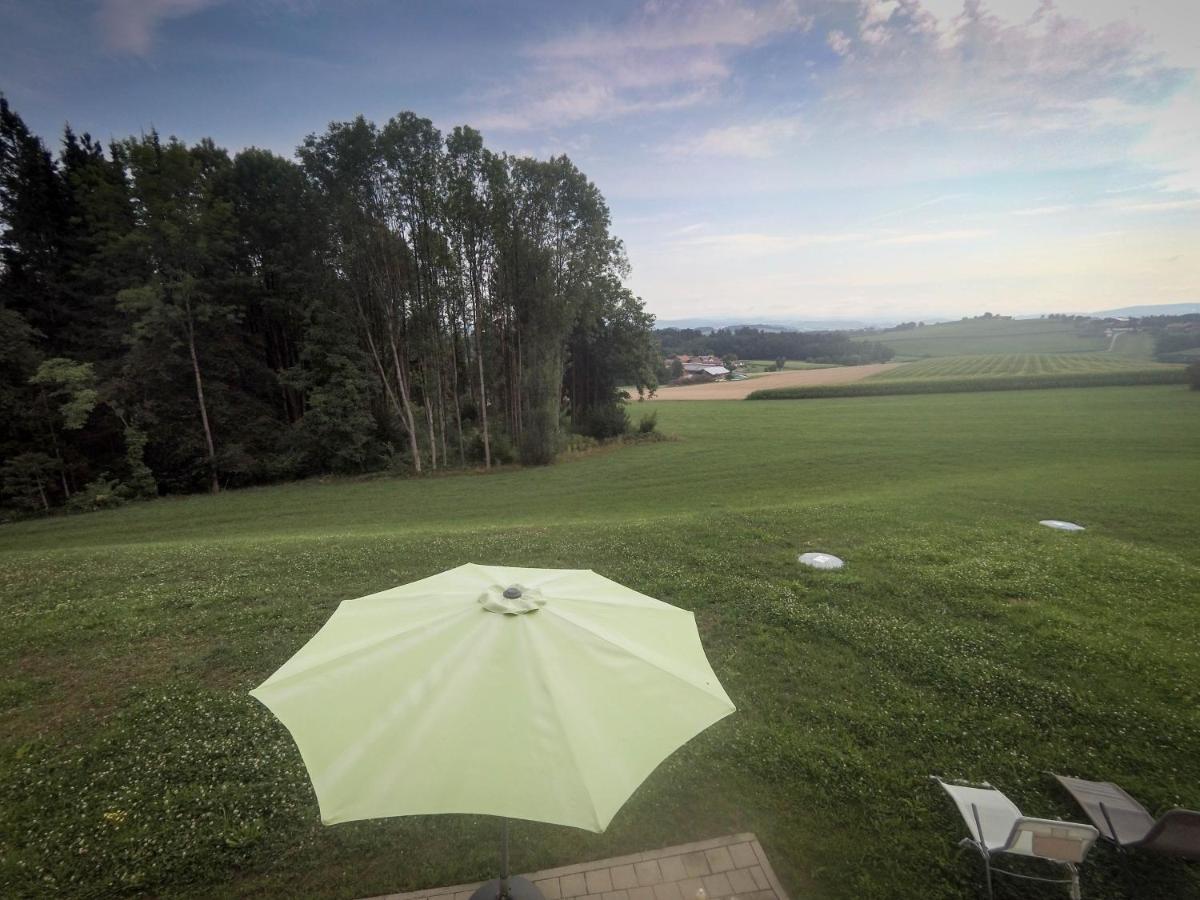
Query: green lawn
[962,639]
[976,336]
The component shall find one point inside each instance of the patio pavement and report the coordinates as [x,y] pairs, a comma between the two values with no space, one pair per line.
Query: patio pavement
[730,866]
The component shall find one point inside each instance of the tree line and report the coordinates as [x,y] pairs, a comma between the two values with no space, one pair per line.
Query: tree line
[750,343]
[175,318]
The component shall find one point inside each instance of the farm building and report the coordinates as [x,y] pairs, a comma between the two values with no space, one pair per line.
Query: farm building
[716,371]
[696,360]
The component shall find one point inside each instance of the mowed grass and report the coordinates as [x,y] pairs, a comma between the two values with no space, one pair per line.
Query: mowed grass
[962,639]
[1016,364]
[991,336]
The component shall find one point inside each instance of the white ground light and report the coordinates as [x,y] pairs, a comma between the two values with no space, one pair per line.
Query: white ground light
[821,560]
[1061,525]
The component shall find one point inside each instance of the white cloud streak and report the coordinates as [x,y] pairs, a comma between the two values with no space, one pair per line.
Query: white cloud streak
[905,67]
[757,140]
[669,55]
[752,243]
[129,26]
[937,237]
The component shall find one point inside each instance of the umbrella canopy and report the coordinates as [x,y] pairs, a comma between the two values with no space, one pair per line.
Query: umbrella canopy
[542,694]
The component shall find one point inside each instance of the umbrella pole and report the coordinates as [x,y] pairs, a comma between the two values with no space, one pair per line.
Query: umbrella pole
[504,860]
[507,886]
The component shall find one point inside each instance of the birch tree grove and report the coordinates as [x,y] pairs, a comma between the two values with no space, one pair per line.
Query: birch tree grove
[392,298]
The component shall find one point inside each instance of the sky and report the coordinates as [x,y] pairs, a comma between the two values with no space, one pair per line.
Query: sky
[762,159]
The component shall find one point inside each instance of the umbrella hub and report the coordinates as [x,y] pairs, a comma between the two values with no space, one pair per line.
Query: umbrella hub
[513,600]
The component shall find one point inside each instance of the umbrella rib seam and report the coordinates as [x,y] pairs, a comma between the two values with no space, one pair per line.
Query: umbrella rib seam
[637,656]
[562,728]
[273,682]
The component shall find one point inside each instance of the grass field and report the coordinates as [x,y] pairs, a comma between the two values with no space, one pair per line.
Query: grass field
[1136,345]
[990,336]
[1184,356]
[1016,364]
[962,639]
[768,365]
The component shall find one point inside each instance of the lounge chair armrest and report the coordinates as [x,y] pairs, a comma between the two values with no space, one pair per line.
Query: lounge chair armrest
[1067,842]
[1176,833]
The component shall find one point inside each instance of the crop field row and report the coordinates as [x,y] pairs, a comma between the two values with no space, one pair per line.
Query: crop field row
[869,387]
[986,366]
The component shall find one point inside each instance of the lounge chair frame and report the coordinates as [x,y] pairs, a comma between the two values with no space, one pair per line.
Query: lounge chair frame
[1022,826]
[1174,833]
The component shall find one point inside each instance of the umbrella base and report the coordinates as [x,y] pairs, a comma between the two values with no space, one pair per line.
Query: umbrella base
[518,889]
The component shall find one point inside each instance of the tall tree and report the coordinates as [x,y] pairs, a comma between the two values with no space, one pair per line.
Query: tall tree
[559,246]
[33,219]
[185,231]
[178,319]
[370,258]
[467,217]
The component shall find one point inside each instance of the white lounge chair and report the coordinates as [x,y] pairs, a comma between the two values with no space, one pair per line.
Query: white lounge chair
[996,826]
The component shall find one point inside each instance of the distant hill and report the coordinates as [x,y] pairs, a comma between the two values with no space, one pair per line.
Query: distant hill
[971,337]
[1161,309]
[715,322]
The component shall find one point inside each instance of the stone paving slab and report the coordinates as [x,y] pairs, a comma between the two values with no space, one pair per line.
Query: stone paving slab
[733,866]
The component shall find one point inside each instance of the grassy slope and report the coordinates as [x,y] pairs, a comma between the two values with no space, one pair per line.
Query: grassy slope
[976,336]
[1135,345]
[962,639]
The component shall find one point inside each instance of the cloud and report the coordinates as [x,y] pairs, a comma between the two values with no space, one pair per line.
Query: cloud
[128,26]
[757,140]
[936,237]
[838,42]
[660,26]
[939,200]
[1043,210]
[585,102]
[1159,205]
[903,67]
[1172,141]
[756,243]
[669,55]
[131,26]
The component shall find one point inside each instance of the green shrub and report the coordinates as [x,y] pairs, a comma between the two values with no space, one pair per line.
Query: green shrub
[648,423]
[578,443]
[501,446]
[103,493]
[26,481]
[604,422]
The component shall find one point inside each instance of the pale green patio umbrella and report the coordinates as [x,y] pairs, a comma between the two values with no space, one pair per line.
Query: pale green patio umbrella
[541,694]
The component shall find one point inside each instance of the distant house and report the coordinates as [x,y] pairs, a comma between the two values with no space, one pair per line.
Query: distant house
[697,368]
[696,360]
